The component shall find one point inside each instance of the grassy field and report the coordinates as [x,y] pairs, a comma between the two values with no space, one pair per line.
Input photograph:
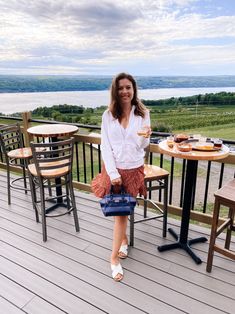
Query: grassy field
[212,121]
[221,131]
[215,121]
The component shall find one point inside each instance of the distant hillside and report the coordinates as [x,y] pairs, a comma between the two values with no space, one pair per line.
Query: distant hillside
[166,115]
[22,83]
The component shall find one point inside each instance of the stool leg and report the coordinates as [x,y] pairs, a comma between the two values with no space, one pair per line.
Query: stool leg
[33,195]
[213,235]
[145,207]
[132,219]
[43,213]
[75,214]
[8,184]
[229,231]
[165,207]
[49,187]
[68,193]
[24,163]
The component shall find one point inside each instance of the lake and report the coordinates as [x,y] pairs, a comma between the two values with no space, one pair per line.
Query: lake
[18,102]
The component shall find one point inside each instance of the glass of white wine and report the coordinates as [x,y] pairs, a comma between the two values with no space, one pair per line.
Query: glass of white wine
[143,131]
[170,141]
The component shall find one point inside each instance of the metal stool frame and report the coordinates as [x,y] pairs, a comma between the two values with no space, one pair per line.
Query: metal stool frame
[226,197]
[52,166]
[153,174]
[15,154]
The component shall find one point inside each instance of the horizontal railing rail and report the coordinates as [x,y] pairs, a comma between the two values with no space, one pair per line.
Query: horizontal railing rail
[88,163]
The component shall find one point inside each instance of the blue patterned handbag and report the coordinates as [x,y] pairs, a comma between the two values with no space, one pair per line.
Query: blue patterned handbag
[121,204]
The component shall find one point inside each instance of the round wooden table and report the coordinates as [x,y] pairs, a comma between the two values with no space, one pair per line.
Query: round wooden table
[192,158]
[52,130]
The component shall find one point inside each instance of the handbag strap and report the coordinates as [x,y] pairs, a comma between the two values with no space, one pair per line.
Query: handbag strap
[112,189]
[122,193]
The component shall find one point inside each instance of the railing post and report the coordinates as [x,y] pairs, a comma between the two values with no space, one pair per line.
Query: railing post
[26,116]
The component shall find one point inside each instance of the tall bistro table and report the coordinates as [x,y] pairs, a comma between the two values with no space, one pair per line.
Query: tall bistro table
[192,158]
[53,131]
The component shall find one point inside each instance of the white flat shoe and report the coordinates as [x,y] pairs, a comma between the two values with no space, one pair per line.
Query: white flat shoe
[123,251]
[117,270]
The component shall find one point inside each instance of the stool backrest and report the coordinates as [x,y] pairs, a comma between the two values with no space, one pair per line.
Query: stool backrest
[52,156]
[10,138]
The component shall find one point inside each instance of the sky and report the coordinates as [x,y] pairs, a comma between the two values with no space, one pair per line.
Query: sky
[104,37]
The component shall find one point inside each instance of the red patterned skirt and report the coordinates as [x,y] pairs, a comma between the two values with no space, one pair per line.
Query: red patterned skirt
[132,180]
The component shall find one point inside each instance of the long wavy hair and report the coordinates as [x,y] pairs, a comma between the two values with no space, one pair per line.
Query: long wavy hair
[115,106]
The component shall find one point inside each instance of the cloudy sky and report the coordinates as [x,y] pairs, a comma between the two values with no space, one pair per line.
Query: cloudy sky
[104,37]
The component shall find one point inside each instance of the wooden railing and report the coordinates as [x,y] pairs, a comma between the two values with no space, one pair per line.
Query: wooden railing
[88,164]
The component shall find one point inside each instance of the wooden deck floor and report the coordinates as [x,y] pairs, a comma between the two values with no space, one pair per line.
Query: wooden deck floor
[70,273]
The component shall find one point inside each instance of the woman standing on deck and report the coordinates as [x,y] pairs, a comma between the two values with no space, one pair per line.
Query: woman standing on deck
[123,156]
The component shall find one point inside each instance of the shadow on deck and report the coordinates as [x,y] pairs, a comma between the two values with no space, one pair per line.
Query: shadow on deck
[70,273]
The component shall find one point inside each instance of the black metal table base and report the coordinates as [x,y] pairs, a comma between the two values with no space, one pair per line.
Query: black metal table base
[53,207]
[184,246]
[55,204]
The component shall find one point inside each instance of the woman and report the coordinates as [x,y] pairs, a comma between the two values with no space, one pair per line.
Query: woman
[123,156]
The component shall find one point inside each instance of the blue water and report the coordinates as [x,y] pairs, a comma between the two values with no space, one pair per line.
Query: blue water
[19,102]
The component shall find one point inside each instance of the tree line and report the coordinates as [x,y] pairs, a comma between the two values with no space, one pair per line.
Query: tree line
[209,99]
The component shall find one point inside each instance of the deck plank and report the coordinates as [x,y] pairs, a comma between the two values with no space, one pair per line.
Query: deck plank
[70,273]
[53,264]
[43,287]
[38,306]
[9,308]
[14,293]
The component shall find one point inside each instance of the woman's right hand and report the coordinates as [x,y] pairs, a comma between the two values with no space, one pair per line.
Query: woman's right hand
[145,131]
[117,181]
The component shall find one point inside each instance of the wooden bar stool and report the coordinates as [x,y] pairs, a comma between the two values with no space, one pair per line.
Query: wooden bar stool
[159,176]
[225,197]
[53,161]
[15,154]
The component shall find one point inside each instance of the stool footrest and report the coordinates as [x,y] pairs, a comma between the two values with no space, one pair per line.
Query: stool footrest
[224,251]
[12,184]
[147,200]
[223,226]
[148,218]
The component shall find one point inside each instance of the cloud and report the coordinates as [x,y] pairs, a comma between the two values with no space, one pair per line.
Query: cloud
[85,35]
[85,16]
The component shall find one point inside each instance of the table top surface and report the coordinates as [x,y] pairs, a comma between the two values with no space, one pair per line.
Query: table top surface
[52,130]
[194,154]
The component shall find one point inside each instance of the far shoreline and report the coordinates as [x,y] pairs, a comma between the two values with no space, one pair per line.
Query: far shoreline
[19,102]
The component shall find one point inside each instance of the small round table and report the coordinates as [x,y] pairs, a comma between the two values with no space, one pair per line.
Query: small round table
[191,173]
[52,130]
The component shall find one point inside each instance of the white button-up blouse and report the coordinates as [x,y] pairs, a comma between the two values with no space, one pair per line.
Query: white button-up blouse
[123,148]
